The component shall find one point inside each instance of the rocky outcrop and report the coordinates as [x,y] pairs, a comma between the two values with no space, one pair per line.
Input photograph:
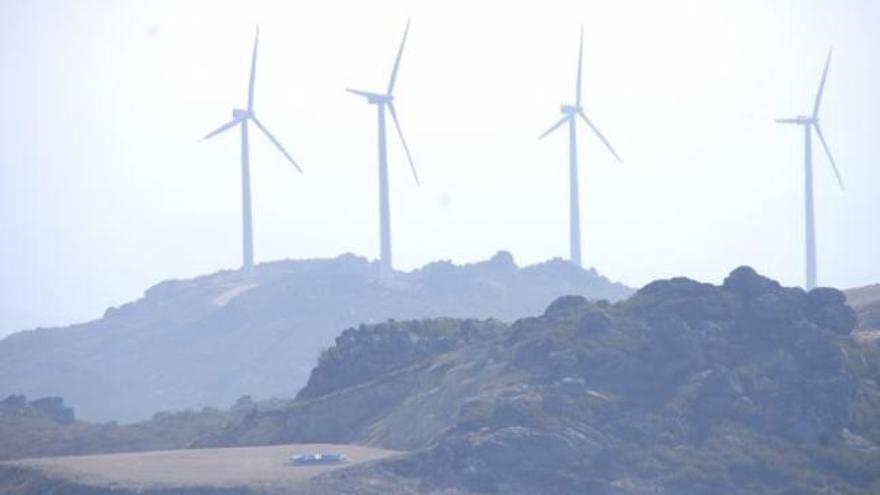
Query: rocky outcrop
[48,408]
[685,388]
[46,427]
[363,354]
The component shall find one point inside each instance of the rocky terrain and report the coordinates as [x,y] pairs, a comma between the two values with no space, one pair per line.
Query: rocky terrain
[204,342]
[47,427]
[866,302]
[685,388]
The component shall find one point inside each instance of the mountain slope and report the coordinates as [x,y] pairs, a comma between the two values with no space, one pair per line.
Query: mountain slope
[866,301]
[207,341]
[685,388]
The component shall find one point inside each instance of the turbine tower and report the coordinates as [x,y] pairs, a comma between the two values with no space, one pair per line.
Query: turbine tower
[241,117]
[570,115]
[810,123]
[385,101]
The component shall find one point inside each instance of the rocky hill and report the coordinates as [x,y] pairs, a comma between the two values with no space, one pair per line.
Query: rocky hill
[206,341]
[684,389]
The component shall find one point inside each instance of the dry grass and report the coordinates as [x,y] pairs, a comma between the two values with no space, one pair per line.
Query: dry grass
[264,467]
[863,296]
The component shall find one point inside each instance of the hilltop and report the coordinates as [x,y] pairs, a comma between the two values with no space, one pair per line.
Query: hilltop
[207,341]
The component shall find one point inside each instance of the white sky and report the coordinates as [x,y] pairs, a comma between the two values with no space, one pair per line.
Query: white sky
[105,188]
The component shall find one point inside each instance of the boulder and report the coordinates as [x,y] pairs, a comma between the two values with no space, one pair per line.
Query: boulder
[567,305]
[747,283]
[827,308]
[594,322]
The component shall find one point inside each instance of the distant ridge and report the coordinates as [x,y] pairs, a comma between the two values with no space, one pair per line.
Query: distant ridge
[211,339]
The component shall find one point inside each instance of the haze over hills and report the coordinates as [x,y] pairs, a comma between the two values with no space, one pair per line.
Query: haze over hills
[683,389]
[209,340]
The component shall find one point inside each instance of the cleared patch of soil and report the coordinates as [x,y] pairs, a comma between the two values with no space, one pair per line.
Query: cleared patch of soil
[255,467]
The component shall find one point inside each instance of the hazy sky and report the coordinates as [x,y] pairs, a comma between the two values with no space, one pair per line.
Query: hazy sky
[105,188]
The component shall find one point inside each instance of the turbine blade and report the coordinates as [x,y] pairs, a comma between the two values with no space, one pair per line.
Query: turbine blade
[365,94]
[230,124]
[580,68]
[828,152]
[555,126]
[402,140]
[397,61]
[821,86]
[599,134]
[276,143]
[788,121]
[253,72]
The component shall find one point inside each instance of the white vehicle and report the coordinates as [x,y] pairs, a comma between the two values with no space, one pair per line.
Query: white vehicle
[317,458]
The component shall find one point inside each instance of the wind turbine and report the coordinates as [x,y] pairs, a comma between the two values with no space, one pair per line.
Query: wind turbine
[570,115]
[241,117]
[810,123]
[383,101]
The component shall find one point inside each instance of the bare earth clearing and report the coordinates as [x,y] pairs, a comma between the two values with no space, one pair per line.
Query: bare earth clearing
[255,467]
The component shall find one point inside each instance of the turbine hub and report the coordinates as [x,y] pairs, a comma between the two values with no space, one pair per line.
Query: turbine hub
[239,113]
[380,99]
[570,109]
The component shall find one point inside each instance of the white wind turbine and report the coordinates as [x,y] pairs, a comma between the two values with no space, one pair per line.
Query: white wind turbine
[810,123]
[241,118]
[570,115]
[383,101]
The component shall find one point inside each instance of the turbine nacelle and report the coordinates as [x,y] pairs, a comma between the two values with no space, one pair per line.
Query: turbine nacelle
[240,114]
[799,120]
[570,110]
[378,99]
[373,98]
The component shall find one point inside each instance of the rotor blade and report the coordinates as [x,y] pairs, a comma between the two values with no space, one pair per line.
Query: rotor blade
[397,61]
[276,143]
[580,67]
[599,134]
[788,121]
[821,86]
[555,126]
[253,72]
[365,94]
[828,152]
[231,123]
[402,140]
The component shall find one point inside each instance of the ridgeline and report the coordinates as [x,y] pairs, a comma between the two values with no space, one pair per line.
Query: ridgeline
[207,341]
